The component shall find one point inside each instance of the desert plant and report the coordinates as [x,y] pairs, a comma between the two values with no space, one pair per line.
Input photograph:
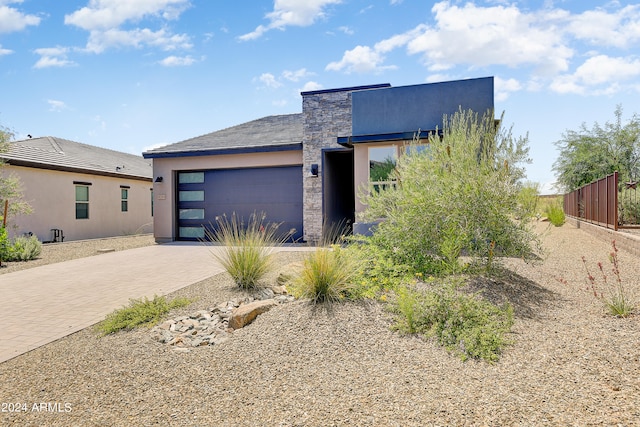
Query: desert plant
[139,312]
[455,198]
[615,298]
[555,214]
[247,249]
[326,275]
[5,245]
[407,306]
[25,248]
[528,198]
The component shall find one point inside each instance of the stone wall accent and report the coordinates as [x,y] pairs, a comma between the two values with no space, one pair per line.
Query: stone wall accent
[327,115]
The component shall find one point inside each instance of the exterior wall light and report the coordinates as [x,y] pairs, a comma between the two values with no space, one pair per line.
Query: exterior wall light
[314,169]
[159,179]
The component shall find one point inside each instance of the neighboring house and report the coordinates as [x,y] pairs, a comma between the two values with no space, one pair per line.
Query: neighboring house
[79,191]
[304,170]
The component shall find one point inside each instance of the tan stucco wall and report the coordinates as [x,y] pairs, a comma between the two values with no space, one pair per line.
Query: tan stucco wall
[164,201]
[361,167]
[51,194]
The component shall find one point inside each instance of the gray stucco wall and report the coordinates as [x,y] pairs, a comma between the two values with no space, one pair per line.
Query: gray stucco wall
[327,115]
[409,108]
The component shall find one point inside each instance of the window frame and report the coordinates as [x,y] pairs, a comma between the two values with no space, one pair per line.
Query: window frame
[80,202]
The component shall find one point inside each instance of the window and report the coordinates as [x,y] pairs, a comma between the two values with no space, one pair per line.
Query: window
[124,196]
[190,177]
[82,201]
[191,196]
[382,162]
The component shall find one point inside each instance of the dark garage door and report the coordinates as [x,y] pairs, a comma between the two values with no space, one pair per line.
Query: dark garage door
[205,195]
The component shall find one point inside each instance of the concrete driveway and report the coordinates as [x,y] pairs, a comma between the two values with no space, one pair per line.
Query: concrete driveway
[42,304]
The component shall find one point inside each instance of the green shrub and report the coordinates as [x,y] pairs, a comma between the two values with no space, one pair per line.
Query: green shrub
[459,197]
[247,248]
[555,214]
[25,248]
[376,270]
[528,198]
[326,276]
[139,312]
[5,246]
[464,324]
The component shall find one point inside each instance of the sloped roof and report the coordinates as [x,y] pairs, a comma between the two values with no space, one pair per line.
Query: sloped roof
[271,133]
[61,154]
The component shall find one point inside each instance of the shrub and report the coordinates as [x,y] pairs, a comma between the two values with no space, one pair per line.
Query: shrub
[25,248]
[139,312]
[528,198]
[459,197]
[247,248]
[5,246]
[465,324]
[376,271]
[614,298]
[326,276]
[555,215]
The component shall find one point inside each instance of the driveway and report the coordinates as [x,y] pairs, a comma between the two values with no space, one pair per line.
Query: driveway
[42,304]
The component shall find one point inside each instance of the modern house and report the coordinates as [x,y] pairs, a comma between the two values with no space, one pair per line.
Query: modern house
[304,170]
[79,191]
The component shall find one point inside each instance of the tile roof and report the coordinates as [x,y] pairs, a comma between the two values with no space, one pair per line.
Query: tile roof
[61,154]
[268,132]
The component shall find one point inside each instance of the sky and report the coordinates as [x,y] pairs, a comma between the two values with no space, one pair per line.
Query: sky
[131,75]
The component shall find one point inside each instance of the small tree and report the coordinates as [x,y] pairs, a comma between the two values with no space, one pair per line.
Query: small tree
[10,188]
[590,154]
[458,197]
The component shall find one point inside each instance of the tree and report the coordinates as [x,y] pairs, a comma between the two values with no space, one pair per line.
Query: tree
[590,154]
[10,189]
[458,197]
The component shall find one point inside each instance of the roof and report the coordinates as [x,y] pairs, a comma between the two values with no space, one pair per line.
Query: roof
[271,133]
[64,155]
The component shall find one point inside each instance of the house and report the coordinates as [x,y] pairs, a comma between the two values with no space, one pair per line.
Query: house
[79,191]
[306,169]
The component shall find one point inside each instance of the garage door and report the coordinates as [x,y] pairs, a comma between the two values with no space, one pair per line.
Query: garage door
[205,195]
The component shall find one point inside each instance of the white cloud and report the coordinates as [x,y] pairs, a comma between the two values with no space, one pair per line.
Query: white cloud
[5,51]
[106,14]
[269,80]
[56,106]
[619,29]
[104,20]
[503,88]
[99,41]
[600,74]
[311,86]
[299,13]
[297,75]
[178,61]
[11,19]
[53,57]
[360,59]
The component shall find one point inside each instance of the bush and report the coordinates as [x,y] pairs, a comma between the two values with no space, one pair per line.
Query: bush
[555,214]
[5,246]
[465,324]
[25,248]
[459,197]
[528,198]
[326,276]
[247,248]
[615,298]
[139,312]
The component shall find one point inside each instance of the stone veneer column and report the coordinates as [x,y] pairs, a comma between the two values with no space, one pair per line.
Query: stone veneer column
[327,115]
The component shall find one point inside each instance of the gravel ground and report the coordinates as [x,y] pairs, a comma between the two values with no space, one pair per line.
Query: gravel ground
[299,365]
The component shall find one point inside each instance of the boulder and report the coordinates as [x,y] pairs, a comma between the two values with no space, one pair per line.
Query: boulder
[247,313]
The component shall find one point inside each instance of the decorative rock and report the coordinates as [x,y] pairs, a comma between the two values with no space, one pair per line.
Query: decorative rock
[247,313]
[264,294]
[215,325]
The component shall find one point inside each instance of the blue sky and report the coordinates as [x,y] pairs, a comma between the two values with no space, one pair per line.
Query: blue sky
[134,74]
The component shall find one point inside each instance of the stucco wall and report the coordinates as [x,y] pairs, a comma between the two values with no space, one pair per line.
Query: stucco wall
[164,201]
[51,194]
